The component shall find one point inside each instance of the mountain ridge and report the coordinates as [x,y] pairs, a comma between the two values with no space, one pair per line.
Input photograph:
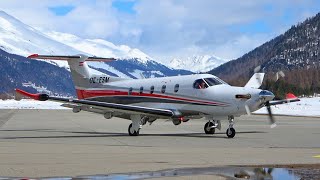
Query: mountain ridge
[197,63]
[296,52]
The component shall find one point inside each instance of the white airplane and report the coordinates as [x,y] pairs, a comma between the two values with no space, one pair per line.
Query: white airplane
[178,98]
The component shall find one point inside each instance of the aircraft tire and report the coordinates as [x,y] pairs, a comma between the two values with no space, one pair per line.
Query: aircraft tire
[135,133]
[207,130]
[231,132]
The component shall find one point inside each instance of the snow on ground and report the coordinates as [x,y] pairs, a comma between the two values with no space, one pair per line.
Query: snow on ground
[29,104]
[305,107]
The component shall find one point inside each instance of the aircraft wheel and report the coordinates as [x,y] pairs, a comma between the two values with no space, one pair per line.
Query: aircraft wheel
[231,132]
[207,128]
[132,132]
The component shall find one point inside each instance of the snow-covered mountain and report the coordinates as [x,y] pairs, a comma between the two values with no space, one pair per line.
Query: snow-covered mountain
[97,47]
[197,63]
[21,39]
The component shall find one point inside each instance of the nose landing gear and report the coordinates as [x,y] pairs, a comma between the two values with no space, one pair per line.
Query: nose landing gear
[231,132]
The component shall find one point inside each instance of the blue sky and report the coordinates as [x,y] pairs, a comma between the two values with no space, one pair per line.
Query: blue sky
[169,29]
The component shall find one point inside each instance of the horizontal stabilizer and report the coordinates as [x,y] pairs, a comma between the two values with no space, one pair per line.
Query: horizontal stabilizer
[66,58]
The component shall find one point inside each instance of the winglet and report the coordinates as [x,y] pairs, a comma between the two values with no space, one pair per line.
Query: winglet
[39,97]
[32,56]
[291,96]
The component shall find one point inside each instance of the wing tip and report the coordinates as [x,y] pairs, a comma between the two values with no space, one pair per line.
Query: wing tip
[291,96]
[32,56]
[24,93]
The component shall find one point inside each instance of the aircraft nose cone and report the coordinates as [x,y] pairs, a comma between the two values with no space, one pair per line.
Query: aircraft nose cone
[266,95]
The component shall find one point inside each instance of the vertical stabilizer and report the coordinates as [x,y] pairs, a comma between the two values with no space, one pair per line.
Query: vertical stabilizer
[82,75]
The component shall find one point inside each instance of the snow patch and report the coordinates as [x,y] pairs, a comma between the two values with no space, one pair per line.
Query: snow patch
[29,104]
[40,89]
[305,107]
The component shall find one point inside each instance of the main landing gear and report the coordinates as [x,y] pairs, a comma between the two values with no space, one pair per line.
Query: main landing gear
[211,125]
[133,131]
[137,122]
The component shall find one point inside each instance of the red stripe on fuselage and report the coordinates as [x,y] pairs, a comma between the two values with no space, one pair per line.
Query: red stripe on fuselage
[98,93]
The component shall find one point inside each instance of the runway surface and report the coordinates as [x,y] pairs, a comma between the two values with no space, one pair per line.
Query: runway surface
[46,143]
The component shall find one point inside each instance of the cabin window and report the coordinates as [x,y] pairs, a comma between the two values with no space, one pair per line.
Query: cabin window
[200,84]
[151,89]
[130,91]
[141,90]
[163,89]
[176,88]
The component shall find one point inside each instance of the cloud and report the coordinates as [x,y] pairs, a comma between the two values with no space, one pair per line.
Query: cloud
[169,28]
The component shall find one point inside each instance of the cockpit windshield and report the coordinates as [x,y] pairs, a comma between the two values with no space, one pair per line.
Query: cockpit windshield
[212,81]
[206,82]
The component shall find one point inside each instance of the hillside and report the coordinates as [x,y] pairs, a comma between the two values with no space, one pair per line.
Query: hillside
[296,52]
[32,75]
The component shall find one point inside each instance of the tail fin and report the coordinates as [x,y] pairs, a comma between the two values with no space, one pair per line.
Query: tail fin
[255,81]
[82,77]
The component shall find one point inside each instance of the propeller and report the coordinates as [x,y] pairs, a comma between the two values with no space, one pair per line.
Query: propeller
[272,121]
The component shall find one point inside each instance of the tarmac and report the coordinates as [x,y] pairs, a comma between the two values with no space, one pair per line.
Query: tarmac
[59,143]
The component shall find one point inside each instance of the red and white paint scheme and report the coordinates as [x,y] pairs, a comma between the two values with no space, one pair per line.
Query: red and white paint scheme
[178,98]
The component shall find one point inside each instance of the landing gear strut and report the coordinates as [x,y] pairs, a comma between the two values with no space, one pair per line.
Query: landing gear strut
[231,132]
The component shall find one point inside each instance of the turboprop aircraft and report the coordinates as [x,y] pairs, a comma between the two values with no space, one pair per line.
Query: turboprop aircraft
[177,98]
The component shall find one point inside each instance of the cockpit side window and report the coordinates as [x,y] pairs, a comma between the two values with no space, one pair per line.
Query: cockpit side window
[200,84]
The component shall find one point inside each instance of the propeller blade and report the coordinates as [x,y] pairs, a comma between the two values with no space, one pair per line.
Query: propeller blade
[257,69]
[278,75]
[247,109]
[272,121]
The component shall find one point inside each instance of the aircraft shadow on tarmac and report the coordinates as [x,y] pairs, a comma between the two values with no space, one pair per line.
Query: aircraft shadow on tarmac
[90,134]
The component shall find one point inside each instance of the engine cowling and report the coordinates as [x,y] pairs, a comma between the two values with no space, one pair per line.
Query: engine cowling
[76,109]
[176,121]
[108,115]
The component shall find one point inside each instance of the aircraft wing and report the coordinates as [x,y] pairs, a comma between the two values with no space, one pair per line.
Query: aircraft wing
[289,99]
[127,109]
